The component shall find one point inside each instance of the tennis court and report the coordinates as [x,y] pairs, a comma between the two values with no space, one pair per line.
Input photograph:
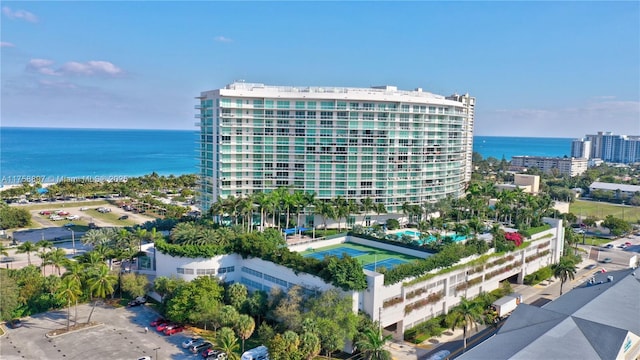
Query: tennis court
[371,258]
[320,255]
[389,263]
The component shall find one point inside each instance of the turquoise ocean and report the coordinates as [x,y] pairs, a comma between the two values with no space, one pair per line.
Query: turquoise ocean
[53,154]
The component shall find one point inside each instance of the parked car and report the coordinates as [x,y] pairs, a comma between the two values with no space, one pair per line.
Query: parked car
[173,330]
[200,347]
[73,217]
[14,324]
[7,259]
[45,212]
[69,225]
[137,301]
[609,246]
[214,354]
[628,243]
[123,217]
[92,226]
[84,208]
[591,267]
[440,355]
[191,341]
[145,358]
[163,326]
[158,321]
[607,260]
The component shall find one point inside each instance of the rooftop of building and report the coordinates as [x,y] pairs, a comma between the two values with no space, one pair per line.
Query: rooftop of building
[374,93]
[591,321]
[613,187]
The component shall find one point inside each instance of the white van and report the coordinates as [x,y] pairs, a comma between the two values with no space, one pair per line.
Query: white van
[259,353]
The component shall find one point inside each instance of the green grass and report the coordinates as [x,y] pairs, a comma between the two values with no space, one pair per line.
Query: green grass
[60,206]
[110,217]
[600,210]
[373,254]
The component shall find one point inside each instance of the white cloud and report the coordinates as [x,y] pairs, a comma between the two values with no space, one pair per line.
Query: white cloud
[223,39]
[19,14]
[6,44]
[89,68]
[42,66]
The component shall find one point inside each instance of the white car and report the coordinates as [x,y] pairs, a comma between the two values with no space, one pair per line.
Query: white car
[190,342]
[440,355]
[73,217]
[55,217]
[84,208]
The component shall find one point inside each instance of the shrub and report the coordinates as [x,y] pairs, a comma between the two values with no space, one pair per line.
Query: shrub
[393,224]
[538,276]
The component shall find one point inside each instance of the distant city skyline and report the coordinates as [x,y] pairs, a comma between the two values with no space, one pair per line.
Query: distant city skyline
[537,69]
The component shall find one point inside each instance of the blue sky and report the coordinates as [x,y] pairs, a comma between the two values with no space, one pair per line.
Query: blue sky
[552,69]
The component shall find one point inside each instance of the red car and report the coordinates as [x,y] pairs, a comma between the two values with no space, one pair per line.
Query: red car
[163,326]
[63,213]
[45,212]
[158,321]
[173,330]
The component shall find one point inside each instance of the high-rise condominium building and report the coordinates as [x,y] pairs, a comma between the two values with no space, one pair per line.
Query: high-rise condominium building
[615,148]
[581,148]
[390,145]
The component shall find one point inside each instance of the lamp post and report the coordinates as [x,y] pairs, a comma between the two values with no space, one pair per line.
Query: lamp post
[73,240]
[156,350]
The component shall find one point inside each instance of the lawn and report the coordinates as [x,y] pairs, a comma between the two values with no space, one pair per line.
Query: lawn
[61,205]
[110,217]
[373,254]
[600,210]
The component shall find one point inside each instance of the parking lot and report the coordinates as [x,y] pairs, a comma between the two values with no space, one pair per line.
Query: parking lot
[121,336]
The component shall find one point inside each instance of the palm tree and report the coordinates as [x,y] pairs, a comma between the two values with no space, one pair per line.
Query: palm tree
[565,269]
[379,208]
[341,207]
[26,247]
[101,284]
[227,342]
[372,344]
[75,271]
[465,315]
[245,327]
[69,290]
[57,258]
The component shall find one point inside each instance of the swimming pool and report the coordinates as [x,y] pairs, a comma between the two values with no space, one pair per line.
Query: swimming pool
[416,235]
[411,233]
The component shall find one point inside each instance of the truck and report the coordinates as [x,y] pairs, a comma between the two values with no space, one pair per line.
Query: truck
[259,353]
[506,304]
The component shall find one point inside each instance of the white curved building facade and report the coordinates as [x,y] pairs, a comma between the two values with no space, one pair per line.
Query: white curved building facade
[390,145]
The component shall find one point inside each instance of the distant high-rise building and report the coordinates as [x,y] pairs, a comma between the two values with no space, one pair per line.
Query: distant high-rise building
[623,149]
[390,145]
[581,148]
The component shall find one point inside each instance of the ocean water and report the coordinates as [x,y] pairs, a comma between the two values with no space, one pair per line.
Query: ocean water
[103,154]
[499,146]
[98,154]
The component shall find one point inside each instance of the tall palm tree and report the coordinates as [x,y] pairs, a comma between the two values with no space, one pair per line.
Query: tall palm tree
[227,342]
[101,284]
[372,344]
[565,269]
[57,258]
[465,315]
[367,205]
[341,207]
[245,327]
[75,271]
[69,290]
[380,209]
[27,247]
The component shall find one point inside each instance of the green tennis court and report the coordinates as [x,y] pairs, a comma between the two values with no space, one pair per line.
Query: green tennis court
[369,256]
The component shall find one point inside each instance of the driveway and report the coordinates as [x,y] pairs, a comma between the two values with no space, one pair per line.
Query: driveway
[121,336]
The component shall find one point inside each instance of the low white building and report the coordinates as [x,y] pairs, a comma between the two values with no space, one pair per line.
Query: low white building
[398,306]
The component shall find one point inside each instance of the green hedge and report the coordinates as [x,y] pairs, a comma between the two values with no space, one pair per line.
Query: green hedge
[534,230]
[345,273]
[540,275]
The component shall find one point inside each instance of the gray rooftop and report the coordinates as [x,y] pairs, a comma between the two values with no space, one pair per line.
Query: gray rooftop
[588,322]
[613,187]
